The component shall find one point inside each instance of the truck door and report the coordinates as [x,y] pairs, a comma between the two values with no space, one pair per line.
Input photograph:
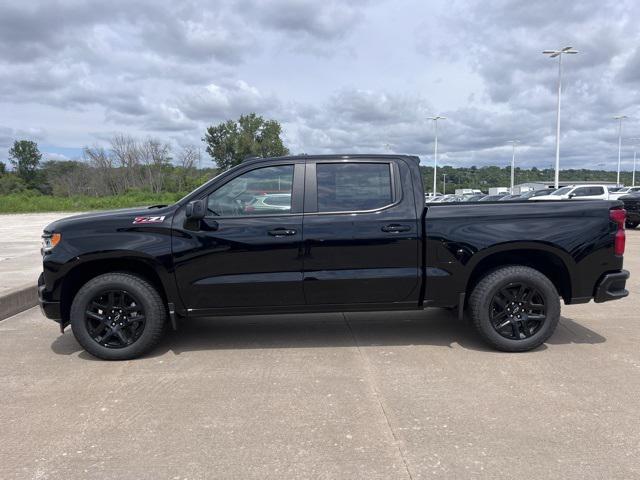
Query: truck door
[246,252]
[361,232]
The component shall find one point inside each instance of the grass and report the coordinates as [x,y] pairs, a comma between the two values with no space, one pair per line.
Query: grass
[29,203]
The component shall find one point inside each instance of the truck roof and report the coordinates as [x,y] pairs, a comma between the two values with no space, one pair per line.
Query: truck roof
[348,156]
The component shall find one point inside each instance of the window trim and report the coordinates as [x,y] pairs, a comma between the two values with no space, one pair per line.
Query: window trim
[297,191]
[311,186]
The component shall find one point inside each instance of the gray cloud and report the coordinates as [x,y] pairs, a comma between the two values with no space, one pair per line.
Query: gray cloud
[341,76]
[327,20]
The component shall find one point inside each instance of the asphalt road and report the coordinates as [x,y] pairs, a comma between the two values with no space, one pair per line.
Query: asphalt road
[388,396]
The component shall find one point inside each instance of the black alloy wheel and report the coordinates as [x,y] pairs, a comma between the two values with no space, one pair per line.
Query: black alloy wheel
[514,308]
[517,311]
[118,316]
[115,319]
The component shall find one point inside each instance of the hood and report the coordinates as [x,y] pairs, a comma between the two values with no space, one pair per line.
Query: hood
[127,215]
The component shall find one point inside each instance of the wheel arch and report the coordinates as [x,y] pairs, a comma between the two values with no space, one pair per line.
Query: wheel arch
[551,262]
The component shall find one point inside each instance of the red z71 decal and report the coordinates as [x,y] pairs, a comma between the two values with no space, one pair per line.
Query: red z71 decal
[139,220]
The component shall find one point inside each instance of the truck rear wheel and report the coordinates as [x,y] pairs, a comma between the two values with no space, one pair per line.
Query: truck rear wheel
[515,308]
[117,316]
[631,225]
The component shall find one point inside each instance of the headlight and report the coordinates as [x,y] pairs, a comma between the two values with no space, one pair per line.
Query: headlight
[49,241]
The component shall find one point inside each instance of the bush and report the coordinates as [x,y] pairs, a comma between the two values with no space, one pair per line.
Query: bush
[11,183]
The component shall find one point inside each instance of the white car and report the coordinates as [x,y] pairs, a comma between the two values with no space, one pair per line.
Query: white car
[576,192]
[623,191]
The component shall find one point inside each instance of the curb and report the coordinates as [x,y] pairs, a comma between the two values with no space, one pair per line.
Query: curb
[18,300]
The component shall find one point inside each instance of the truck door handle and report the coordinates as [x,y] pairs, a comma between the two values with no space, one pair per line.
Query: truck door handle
[281,232]
[396,228]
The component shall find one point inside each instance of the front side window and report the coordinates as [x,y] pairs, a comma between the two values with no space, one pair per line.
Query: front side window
[263,191]
[355,186]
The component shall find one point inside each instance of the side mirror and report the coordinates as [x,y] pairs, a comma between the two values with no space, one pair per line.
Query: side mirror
[571,195]
[196,209]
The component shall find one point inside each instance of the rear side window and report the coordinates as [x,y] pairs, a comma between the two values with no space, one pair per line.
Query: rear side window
[596,191]
[582,192]
[356,186]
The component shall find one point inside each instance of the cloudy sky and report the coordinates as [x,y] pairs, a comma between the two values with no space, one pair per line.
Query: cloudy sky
[341,76]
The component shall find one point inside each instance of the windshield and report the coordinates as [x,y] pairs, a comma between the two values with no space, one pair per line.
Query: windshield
[202,187]
[562,191]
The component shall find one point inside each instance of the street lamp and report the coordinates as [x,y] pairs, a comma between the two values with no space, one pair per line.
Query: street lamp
[633,175]
[444,183]
[435,150]
[553,54]
[619,118]
[513,162]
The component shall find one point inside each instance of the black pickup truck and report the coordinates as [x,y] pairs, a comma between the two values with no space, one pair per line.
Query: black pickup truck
[325,234]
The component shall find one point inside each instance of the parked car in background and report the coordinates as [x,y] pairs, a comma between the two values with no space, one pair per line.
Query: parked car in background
[441,199]
[453,198]
[537,193]
[615,195]
[510,198]
[577,192]
[632,206]
[474,198]
[493,198]
[269,202]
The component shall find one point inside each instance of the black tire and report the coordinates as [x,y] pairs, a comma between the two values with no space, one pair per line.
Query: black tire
[148,330]
[631,225]
[489,309]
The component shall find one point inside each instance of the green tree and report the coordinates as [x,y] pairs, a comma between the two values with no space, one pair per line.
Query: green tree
[25,158]
[230,142]
[3,168]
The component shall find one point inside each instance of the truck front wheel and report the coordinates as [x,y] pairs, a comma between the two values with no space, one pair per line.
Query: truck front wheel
[515,308]
[117,316]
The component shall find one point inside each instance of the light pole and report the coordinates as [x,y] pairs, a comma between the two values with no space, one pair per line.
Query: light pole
[633,175]
[513,162]
[619,118]
[444,183]
[435,150]
[553,54]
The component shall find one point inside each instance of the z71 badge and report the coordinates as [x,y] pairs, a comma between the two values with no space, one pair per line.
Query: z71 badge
[157,219]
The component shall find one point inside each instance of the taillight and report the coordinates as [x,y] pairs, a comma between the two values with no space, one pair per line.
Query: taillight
[619,216]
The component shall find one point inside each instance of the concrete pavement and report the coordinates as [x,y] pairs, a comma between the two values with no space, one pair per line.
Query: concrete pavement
[20,261]
[385,395]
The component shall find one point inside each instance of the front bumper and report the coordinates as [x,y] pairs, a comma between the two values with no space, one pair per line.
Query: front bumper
[611,287]
[49,308]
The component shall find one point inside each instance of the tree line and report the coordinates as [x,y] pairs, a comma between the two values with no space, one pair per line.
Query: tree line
[130,164]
